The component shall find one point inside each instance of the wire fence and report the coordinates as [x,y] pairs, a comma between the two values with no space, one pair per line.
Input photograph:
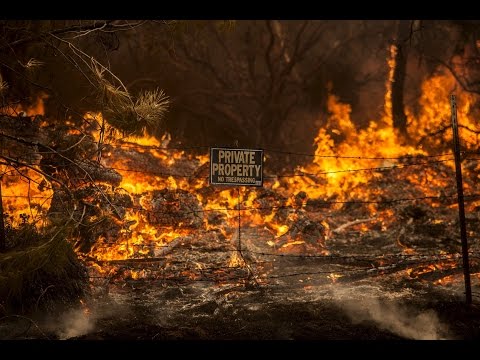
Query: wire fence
[255,264]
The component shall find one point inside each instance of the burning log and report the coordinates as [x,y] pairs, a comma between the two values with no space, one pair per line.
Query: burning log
[69,159]
[268,201]
[151,161]
[304,233]
[97,173]
[200,179]
[216,218]
[25,127]
[177,208]
[201,173]
[100,213]
[19,137]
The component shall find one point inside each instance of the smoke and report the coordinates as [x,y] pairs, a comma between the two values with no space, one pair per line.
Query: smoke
[74,323]
[367,304]
[397,319]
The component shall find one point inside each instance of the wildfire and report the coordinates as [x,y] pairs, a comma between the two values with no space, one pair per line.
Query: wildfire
[26,198]
[418,271]
[26,193]
[388,93]
[346,157]
[162,181]
[236,260]
[36,108]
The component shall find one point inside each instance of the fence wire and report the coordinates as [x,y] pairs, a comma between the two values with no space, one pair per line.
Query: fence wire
[393,260]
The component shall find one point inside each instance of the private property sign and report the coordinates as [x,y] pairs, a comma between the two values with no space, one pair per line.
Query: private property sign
[236,166]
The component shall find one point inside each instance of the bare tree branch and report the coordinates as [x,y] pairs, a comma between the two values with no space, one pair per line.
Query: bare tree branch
[79,30]
[457,77]
[16,163]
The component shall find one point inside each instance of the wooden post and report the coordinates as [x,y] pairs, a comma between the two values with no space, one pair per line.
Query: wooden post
[461,205]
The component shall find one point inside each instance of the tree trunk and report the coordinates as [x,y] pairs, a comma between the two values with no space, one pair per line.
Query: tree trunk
[398,80]
[2,224]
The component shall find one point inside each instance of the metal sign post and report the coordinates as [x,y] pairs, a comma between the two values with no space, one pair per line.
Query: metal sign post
[237,167]
[242,167]
[461,206]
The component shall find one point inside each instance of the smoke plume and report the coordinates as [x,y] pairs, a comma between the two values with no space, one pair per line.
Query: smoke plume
[74,323]
[370,304]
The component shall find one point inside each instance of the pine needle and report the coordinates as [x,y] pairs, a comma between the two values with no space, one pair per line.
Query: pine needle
[123,113]
[151,106]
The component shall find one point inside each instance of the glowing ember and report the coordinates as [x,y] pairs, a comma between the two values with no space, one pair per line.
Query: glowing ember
[352,166]
[26,198]
[37,108]
[333,277]
[236,260]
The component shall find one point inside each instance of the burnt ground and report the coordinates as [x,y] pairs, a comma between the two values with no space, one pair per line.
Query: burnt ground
[363,310]
[186,313]
[284,298]
[371,280]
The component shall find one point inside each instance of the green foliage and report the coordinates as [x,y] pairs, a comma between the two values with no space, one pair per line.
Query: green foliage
[40,269]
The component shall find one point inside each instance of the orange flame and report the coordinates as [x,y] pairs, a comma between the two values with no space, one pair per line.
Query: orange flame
[347,161]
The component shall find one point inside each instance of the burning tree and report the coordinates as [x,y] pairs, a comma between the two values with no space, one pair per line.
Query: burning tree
[52,165]
[255,83]
[125,200]
[437,48]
